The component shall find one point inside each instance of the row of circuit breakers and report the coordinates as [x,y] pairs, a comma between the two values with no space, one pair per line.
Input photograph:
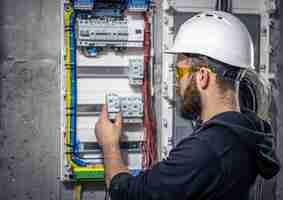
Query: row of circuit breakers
[104,54]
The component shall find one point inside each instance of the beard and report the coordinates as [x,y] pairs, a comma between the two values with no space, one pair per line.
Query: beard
[191,101]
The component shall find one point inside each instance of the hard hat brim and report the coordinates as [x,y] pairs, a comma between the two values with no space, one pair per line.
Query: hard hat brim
[172,51]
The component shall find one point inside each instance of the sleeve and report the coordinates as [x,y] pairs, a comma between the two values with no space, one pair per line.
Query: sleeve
[189,171]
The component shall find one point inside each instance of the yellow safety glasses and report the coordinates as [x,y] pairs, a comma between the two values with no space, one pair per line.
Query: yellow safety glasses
[183,70]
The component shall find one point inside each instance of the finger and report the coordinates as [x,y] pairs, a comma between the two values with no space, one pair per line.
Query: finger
[97,124]
[104,114]
[118,120]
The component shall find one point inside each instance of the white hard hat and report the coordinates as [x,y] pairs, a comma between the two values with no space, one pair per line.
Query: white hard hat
[218,35]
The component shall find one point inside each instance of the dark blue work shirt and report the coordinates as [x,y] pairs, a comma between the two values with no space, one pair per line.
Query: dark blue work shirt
[219,161]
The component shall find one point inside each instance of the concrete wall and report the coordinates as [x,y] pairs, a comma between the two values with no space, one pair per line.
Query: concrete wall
[29,111]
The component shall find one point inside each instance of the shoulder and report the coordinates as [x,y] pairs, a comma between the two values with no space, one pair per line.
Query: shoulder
[218,139]
[194,150]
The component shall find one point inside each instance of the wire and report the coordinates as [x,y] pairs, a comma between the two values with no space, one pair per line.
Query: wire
[218,5]
[148,148]
[74,92]
[77,191]
[224,5]
[107,195]
[71,144]
[230,6]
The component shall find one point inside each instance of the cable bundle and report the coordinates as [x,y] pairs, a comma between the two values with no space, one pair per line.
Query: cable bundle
[149,151]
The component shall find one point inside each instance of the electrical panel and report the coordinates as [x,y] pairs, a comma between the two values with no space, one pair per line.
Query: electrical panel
[107,60]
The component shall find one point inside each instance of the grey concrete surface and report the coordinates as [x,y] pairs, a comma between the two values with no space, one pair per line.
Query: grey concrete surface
[30,103]
[30,111]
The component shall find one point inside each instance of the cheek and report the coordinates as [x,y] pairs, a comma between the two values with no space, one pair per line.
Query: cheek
[183,84]
[182,88]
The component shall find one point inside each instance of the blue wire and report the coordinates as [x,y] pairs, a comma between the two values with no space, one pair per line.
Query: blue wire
[135,172]
[74,143]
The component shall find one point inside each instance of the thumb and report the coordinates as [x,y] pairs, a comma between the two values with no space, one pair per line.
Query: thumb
[118,120]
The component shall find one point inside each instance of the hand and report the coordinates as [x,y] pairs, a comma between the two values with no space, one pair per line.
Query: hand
[108,133]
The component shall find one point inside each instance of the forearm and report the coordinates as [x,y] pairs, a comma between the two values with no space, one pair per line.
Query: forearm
[113,162]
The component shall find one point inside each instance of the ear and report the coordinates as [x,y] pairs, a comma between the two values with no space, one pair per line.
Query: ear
[203,78]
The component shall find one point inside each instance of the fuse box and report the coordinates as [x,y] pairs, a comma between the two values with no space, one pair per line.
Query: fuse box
[107,60]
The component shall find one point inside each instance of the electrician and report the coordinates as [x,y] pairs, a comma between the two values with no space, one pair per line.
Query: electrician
[221,159]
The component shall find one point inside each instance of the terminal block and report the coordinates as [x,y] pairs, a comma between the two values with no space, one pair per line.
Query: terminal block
[130,106]
[138,5]
[84,4]
[113,105]
[132,109]
[136,71]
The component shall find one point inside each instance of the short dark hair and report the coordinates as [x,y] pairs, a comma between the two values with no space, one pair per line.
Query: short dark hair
[226,75]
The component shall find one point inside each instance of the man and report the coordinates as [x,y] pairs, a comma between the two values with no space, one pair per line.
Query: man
[223,156]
